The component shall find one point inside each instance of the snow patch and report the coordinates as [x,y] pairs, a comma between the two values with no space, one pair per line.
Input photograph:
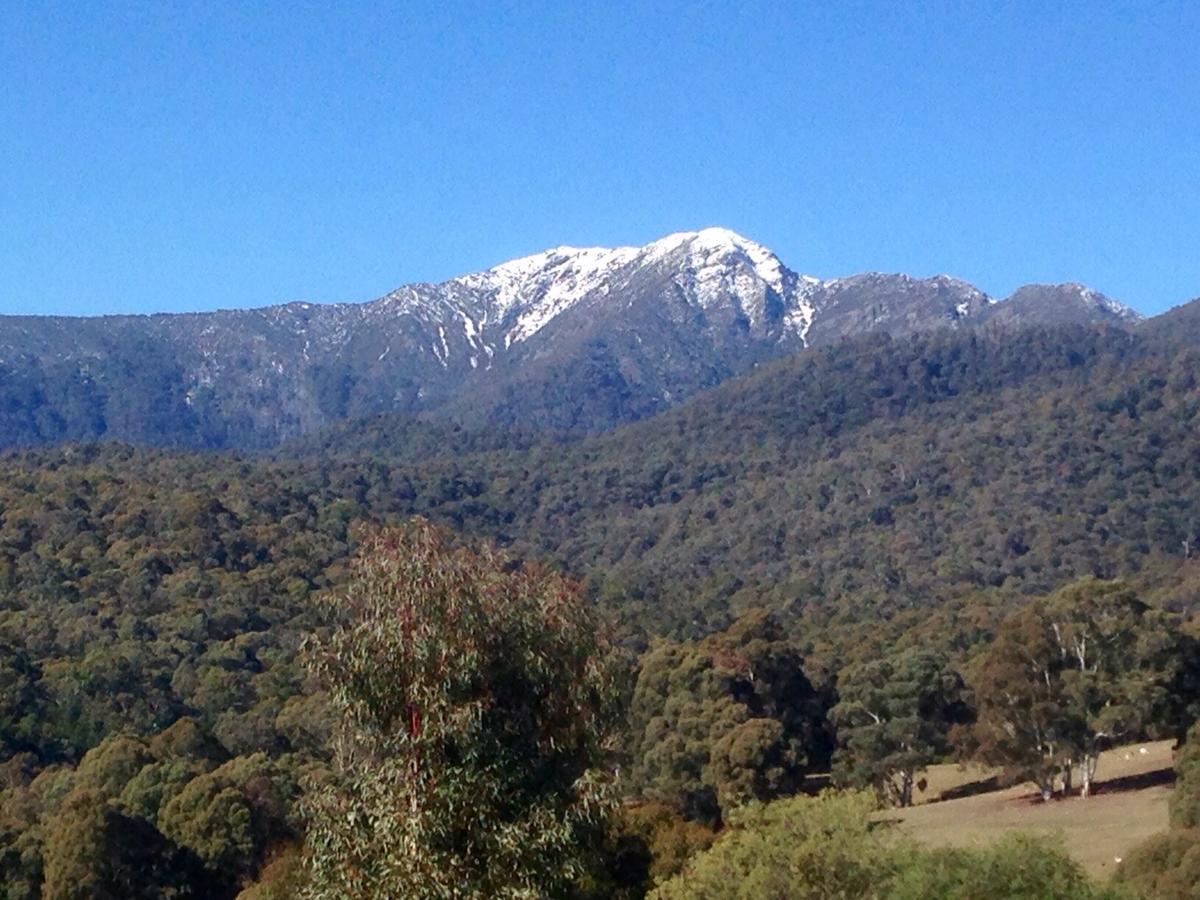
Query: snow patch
[444,356]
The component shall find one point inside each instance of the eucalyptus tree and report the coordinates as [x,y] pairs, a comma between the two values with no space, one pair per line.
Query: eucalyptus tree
[1072,674]
[475,699]
[894,718]
[725,720]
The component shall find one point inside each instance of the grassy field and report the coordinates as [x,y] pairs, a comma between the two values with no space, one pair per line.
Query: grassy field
[1129,805]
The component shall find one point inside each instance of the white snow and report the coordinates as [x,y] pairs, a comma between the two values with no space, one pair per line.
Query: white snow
[719,266]
[444,356]
[1097,300]
[799,318]
[531,291]
[510,303]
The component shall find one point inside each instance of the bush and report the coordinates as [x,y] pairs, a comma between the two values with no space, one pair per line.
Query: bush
[1185,801]
[799,848]
[1018,867]
[827,847]
[1165,867]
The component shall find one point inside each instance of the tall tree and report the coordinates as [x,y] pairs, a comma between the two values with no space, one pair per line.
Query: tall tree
[1116,658]
[1023,724]
[1070,675]
[476,698]
[727,719]
[894,718]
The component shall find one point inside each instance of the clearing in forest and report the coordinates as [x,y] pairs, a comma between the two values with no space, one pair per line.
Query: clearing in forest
[1128,806]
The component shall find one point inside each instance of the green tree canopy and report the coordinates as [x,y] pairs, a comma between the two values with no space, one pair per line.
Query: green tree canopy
[725,720]
[825,847]
[894,718]
[476,700]
[95,852]
[1071,674]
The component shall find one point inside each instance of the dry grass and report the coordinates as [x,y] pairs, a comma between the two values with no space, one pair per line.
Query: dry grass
[1130,804]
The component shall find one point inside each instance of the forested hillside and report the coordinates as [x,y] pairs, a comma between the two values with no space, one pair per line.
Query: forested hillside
[875,494]
[873,475]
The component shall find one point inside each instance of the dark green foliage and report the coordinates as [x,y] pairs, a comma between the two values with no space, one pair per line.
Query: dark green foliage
[846,483]
[21,867]
[893,718]
[163,806]
[725,720]
[232,815]
[1185,801]
[95,852]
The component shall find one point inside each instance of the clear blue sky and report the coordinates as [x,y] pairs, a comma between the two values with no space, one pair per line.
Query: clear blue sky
[186,156]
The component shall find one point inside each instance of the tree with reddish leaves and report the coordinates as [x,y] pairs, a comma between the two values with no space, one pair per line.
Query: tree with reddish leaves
[476,700]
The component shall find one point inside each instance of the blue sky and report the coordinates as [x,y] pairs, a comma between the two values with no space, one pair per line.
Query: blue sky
[186,156]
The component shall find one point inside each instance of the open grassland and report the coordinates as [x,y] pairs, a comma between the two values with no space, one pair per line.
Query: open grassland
[1129,805]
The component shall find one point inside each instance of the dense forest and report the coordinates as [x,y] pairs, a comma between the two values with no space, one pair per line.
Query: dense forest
[861,501]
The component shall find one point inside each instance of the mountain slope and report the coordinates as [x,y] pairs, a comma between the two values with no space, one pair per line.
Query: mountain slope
[859,480]
[865,480]
[571,338]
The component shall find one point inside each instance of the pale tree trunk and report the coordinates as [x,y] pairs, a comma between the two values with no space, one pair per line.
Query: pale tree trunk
[906,787]
[1087,773]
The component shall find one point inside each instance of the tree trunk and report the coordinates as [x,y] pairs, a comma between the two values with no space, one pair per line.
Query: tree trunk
[1066,779]
[906,788]
[1087,773]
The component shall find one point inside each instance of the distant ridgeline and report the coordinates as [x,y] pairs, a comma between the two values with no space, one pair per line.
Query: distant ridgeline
[569,339]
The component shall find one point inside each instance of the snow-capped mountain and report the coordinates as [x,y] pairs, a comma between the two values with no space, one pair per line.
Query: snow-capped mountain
[566,338]
[711,271]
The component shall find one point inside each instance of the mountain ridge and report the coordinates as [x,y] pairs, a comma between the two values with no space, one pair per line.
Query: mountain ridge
[568,338]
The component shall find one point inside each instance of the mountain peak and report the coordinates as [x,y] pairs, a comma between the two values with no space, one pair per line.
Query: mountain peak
[528,292]
[1059,303]
[713,241]
[714,237]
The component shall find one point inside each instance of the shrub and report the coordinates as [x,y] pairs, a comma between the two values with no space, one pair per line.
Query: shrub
[1165,867]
